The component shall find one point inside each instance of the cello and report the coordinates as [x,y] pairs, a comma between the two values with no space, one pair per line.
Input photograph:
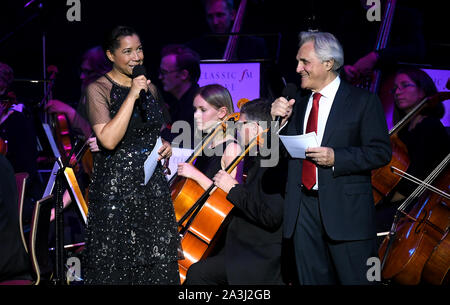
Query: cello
[417,248]
[383,179]
[185,192]
[202,222]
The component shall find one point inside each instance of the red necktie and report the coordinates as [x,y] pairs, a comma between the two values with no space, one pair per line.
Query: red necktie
[309,168]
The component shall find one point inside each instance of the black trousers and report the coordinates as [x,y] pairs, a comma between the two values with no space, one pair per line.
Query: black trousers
[210,271]
[322,261]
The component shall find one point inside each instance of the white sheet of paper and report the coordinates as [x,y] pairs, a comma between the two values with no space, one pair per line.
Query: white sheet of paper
[151,161]
[297,145]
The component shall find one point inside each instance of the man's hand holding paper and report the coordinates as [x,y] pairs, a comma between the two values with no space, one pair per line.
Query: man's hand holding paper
[323,156]
[306,146]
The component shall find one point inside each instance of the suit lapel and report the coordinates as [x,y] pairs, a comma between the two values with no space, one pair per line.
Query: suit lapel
[296,126]
[337,112]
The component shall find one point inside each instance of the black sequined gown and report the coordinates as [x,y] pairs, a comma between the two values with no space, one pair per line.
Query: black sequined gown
[131,236]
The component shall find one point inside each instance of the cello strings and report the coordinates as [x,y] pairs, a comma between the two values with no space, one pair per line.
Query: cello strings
[420,182]
[421,188]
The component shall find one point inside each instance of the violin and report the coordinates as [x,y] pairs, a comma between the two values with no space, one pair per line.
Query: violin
[383,179]
[63,139]
[417,248]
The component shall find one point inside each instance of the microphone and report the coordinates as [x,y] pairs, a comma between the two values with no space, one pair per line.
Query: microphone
[288,92]
[138,71]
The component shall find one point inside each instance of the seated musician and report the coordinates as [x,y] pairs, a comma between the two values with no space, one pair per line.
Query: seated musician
[16,128]
[14,261]
[252,251]
[93,65]
[425,137]
[212,104]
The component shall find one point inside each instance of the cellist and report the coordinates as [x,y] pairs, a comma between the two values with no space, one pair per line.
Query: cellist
[252,250]
[425,137]
[212,104]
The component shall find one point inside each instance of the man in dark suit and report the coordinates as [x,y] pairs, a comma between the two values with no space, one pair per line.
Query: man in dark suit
[329,207]
[252,251]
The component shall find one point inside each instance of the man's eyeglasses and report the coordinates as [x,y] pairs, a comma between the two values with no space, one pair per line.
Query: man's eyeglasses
[402,86]
[165,72]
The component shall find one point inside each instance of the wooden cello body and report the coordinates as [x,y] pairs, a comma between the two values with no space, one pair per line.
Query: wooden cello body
[203,221]
[420,249]
[201,234]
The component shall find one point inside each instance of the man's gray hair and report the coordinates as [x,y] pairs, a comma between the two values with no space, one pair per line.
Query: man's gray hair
[326,46]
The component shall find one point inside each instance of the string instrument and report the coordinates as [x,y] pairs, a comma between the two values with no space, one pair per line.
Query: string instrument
[383,180]
[87,160]
[202,222]
[60,124]
[3,147]
[372,82]
[232,40]
[185,192]
[63,137]
[418,246]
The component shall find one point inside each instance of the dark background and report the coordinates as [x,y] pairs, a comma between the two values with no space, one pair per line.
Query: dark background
[170,21]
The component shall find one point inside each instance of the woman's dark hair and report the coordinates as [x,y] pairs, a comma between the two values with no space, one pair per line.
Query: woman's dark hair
[112,39]
[423,82]
[421,79]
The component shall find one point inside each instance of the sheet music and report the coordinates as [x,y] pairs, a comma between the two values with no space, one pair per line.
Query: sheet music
[151,161]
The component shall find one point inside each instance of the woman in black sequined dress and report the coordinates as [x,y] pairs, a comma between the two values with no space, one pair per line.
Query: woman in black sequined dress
[131,236]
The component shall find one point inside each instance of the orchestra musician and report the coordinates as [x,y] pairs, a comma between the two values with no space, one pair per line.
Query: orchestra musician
[329,209]
[252,251]
[93,65]
[425,137]
[18,132]
[212,103]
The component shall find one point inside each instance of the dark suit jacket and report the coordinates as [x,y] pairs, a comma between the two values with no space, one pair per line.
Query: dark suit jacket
[356,129]
[254,235]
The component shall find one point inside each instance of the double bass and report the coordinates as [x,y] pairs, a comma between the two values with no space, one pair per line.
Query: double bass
[232,41]
[417,248]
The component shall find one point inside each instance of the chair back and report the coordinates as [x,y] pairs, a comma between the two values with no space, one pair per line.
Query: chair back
[21,182]
[39,236]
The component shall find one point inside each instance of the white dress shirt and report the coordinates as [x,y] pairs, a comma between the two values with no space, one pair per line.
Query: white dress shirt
[326,101]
